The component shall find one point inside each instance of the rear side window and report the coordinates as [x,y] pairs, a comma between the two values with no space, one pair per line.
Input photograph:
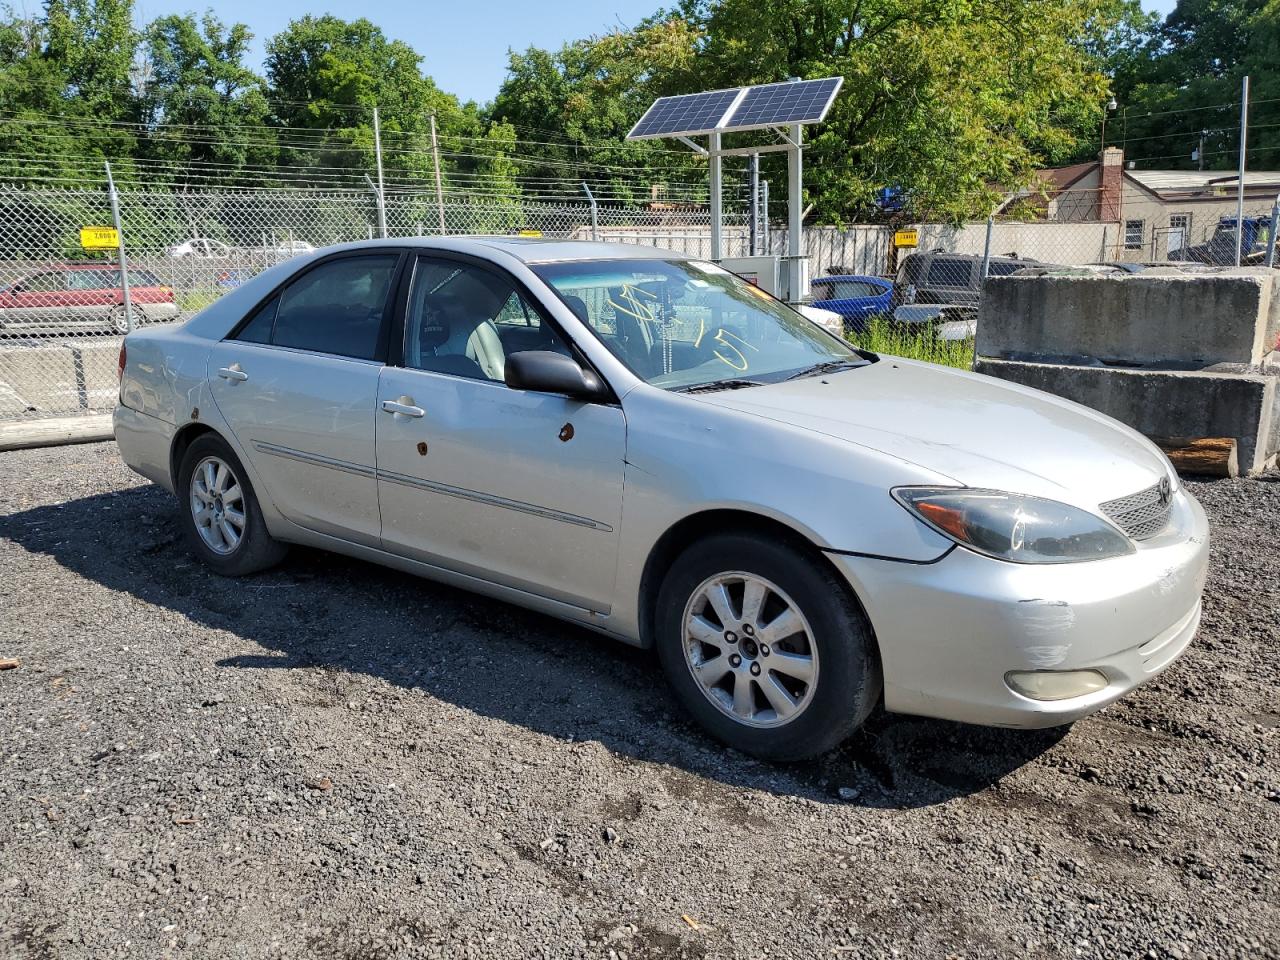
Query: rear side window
[338,308]
[849,289]
[949,273]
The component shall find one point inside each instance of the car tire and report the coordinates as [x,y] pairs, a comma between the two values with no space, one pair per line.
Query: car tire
[234,542]
[119,319]
[697,645]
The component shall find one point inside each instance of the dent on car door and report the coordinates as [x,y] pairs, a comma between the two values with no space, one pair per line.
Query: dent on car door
[511,486]
[298,384]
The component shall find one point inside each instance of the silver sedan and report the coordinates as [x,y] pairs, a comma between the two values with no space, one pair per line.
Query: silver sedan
[644,444]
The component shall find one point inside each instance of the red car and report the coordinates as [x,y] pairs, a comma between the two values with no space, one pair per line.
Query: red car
[79,296]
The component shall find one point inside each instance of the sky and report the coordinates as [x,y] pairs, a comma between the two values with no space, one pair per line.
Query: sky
[463,43]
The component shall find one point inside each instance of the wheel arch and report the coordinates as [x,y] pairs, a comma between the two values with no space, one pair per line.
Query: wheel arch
[717,521]
[182,441]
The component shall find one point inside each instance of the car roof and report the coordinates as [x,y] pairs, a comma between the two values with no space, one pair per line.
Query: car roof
[972,256]
[527,249]
[853,276]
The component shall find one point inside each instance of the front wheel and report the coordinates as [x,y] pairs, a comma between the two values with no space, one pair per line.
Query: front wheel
[220,513]
[766,647]
[119,318]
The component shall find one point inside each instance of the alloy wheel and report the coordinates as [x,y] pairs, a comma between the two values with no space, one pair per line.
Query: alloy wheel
[217,506]
[750,649]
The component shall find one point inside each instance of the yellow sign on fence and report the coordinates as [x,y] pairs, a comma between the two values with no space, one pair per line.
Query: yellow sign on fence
[99,238]
[906,238]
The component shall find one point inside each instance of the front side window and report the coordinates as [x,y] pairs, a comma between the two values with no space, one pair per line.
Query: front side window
[1003,268]
[685,324]
[465,321]
[337,307]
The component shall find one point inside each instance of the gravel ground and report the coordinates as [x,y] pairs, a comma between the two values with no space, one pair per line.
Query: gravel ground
[335,760]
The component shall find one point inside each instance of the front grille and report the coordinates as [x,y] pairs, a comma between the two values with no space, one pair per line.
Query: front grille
[1143,514]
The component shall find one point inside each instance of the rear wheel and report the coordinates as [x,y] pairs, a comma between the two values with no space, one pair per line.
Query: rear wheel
[220,513]
[766,647]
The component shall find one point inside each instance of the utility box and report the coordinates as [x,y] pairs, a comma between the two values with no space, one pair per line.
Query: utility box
[1171,354]
[762,271]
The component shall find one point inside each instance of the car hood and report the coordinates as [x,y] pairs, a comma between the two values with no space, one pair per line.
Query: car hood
[977,430]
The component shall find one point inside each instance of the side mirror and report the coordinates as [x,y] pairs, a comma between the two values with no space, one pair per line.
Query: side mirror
[548,372]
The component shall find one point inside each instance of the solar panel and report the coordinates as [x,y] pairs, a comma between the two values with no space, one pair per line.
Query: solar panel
[683,115]
[745,108]
[777,104]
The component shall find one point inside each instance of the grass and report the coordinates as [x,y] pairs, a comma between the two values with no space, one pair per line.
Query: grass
[915,343]
[194,300]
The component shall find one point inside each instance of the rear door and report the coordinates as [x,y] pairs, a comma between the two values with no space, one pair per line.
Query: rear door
[298,382]
[514,487]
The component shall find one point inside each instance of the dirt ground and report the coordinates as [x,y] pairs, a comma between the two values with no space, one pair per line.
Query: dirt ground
[334,760]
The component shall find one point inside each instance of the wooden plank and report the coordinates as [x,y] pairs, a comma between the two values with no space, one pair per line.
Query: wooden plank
[18,434]
[1204,456]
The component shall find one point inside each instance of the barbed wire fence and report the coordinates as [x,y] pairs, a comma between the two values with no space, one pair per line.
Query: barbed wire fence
[63,310]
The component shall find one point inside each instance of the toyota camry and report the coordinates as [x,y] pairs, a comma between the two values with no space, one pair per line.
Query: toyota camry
[644,444]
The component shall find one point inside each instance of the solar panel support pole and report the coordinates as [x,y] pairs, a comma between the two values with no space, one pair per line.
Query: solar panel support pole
[717,211]
[795,202]
[753,222]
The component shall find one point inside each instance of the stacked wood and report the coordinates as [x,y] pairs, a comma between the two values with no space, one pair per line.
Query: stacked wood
[1205,456]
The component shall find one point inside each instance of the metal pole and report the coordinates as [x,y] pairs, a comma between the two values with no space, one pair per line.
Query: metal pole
[382,196]
[717,211]
[795,205]
[1271,236]
[764,216]
[435,154]
[124,260]
[595,220]
[986,248]
[753,221]
[1244,134]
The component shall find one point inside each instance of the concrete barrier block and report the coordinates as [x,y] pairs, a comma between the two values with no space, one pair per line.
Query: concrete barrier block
[47,377]
[1183,321]
[100,363]
[1164,403]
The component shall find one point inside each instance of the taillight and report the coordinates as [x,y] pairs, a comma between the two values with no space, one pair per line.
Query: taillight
[120,372]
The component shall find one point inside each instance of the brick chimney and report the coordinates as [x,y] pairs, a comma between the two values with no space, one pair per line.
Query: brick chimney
[1111,184]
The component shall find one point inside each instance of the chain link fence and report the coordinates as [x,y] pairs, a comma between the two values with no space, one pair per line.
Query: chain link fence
[62,308]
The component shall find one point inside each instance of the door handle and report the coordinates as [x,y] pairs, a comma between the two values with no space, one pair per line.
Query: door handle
[233,372]
[404,407]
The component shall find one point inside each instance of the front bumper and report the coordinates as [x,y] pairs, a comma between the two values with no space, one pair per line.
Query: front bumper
[949,631]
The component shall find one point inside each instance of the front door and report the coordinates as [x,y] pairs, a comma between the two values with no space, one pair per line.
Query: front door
[510,486]
[298,386]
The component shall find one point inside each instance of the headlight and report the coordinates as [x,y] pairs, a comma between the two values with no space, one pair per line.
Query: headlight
[1009,526]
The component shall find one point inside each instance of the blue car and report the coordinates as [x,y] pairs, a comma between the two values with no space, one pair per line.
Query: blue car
[856,298]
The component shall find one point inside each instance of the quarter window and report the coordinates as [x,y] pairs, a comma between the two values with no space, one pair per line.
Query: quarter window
[339,308]
[1133,234]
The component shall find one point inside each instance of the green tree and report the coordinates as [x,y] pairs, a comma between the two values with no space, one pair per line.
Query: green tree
[1188,87]
[326,76]
[66,94]
[201,102]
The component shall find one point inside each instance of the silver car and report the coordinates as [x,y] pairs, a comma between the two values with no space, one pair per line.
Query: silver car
[644,444]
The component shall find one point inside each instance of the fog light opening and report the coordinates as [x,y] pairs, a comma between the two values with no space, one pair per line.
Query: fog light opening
[1055,684]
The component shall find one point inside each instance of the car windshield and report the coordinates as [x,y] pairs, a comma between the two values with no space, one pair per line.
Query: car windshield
[684,324]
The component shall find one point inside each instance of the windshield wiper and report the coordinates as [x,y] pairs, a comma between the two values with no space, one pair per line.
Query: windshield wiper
[826,366]
[719,385]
